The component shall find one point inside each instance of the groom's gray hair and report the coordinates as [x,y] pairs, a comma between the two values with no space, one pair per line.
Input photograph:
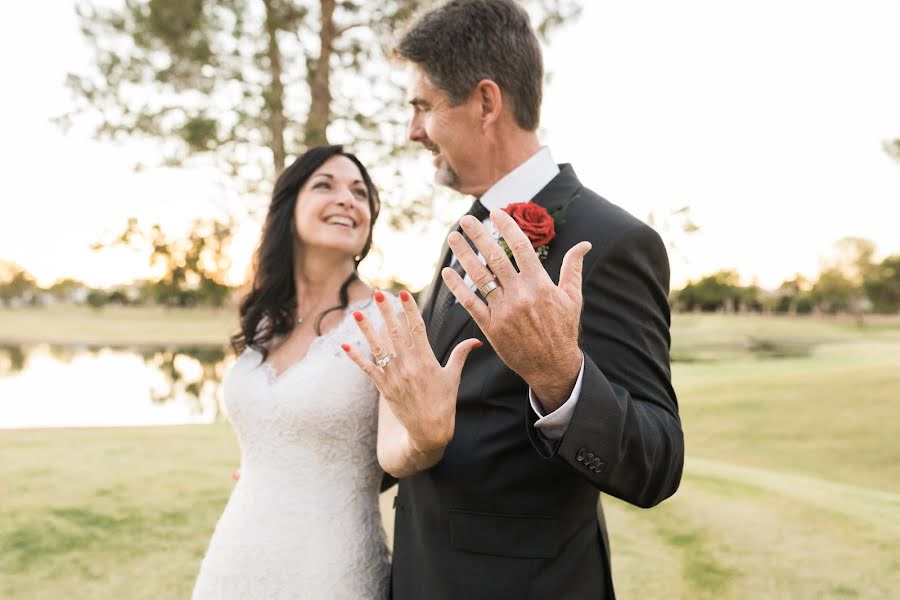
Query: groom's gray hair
[460,42]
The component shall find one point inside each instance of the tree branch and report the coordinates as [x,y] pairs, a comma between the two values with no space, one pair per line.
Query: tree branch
[319,78]
[275,95]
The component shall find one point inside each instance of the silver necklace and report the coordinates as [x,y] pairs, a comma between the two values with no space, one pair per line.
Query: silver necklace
[300,318]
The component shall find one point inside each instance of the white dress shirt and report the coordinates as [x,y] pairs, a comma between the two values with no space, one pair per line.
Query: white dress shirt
[520,185]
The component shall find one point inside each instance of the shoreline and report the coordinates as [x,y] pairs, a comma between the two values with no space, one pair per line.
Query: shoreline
[97,343]
[89,428]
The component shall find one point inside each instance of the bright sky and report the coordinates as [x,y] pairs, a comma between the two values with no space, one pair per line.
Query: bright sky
[767,118]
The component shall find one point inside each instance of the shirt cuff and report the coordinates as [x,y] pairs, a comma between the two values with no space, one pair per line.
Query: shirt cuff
[554,425]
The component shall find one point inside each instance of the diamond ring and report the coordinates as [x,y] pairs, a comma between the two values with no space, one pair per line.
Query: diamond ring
[384,361]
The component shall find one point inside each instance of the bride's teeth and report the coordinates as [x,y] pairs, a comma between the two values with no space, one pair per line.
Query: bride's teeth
[340,221]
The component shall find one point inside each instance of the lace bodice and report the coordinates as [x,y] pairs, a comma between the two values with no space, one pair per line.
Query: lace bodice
[302,521]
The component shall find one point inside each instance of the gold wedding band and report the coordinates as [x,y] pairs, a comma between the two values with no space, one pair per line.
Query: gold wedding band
[489,287]
[384,361]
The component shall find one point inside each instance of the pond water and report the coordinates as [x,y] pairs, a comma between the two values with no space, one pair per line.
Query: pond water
[77,386]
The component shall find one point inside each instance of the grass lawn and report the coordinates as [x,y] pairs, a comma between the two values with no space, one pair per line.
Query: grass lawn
[132,326]
[791,487]
[109,513]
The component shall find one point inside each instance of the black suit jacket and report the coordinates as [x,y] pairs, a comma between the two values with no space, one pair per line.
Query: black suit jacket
[507,513]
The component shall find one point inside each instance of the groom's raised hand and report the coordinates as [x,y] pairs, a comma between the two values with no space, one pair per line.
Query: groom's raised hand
[531,322]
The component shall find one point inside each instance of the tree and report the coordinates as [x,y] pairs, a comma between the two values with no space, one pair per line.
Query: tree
[97,299]
[674,228]
[194,266]
[750,298]
[244,84]
[67,290]
[853,260]
[854,257]
[16,284]
[892,147]
[792,296]
[882,285]
[719,291]
[833,292]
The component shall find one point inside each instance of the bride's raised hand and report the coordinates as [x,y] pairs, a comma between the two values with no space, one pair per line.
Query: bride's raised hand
[420,392]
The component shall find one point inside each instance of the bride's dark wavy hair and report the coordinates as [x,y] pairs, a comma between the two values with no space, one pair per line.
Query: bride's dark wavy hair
[272,299]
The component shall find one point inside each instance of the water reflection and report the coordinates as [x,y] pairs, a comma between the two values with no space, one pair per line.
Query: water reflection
[59,386]
[193,372]
[12,359]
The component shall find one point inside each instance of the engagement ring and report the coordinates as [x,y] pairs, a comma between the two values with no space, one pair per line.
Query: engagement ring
[384,361]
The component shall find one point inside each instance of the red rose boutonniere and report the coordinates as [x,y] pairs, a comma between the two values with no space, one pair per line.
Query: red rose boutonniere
[539,225]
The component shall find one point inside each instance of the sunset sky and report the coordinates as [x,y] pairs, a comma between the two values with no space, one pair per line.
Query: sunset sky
[767,118]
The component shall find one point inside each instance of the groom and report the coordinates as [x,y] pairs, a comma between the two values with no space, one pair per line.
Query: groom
[571,394]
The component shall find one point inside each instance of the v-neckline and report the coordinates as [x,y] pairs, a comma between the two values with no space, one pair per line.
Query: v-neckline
[273,376]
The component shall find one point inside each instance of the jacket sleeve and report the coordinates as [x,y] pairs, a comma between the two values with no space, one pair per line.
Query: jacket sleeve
[625,435]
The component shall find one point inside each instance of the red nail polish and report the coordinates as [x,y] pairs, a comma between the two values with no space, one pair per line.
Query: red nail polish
[379,297]
[404,295]
[345,347]
[358,316]
[479,344]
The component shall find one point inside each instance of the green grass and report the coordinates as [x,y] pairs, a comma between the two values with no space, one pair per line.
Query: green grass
[718,338]
[109,513]
[833,414]
[724,535]
[791,488]
[132,326]
[792,484]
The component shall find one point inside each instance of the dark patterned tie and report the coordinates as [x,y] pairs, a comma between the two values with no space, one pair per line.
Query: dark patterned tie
[444,298]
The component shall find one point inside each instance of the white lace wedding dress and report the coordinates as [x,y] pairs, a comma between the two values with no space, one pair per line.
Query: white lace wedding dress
[303,520]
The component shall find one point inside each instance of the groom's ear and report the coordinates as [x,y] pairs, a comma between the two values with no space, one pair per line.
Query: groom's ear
[488,94]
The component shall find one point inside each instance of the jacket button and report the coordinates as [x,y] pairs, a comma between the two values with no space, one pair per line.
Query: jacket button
[588,458]
[595,465]
[580,455]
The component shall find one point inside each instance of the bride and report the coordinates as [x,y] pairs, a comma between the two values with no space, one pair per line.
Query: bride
[303,520]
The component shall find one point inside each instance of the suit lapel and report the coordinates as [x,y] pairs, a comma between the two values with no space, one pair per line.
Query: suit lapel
[456,319]
[553,196]
[431,291]
[560,189]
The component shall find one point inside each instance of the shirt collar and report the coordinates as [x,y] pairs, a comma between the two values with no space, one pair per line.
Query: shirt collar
[522,183]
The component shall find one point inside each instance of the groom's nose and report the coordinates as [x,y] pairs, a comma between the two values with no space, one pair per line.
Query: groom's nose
[416,132]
